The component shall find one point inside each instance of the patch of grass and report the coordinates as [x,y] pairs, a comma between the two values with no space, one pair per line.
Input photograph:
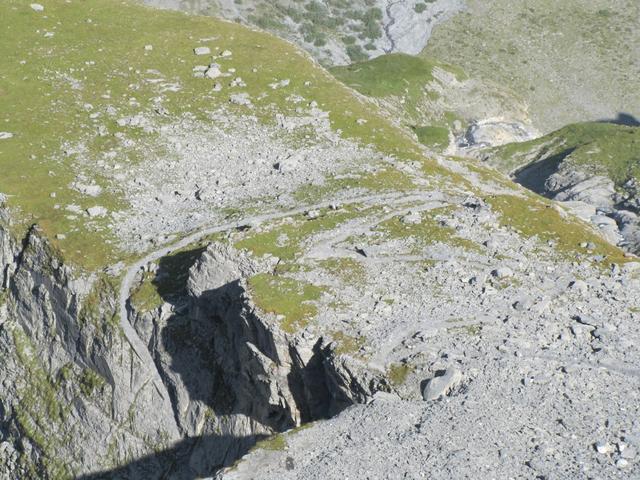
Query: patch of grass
[394,74]
[39,414]
[291,299]
[347,344]
[470,330]
[599,148]
[437,137]
[385,179]
[286,240]
[397,373]
[90,382]
[428,232]
[96,59]
[535,48]
[145,297]
[274,443]
[534,216]
[349,270]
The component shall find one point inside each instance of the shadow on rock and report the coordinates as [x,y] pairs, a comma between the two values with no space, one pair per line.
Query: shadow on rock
[182,462]
[623,118]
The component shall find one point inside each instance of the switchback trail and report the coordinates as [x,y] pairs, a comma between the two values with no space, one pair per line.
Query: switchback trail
[130,333]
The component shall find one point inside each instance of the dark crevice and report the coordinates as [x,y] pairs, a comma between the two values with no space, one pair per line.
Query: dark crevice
[214,352]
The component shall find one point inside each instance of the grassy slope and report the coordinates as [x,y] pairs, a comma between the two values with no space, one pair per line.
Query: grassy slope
[43,110]
[571,61]
[402,79]
[608,149]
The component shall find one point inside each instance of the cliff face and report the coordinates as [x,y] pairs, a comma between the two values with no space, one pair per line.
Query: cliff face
[76,398]
[71,398]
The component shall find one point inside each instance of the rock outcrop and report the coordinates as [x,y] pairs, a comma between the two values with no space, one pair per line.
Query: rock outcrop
[230,375]
[67,373]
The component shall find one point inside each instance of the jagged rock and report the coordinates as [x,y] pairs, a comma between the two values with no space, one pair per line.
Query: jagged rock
[442,385]
[202,51]
[493,133]
[50,317]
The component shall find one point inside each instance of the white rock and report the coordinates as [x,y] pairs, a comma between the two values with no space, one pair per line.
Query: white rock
[202,51]
[226,53]
[411,218]
[5,135]
[97,211]
[91,190]
[579,286]
[629,453]
[213,71]
[622,463]
[240,99]
[36,7]
[442,385]
[604,448]
[148,48]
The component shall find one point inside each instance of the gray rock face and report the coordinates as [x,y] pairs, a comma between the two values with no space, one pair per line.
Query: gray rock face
[229,375]
[66,371]
[591,197]
[493,133]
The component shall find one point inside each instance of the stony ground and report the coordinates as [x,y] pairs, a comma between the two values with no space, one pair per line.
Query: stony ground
[335,32]
[534,364]
[234,250]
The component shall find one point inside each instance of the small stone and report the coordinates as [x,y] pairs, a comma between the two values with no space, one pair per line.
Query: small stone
[604,448]
[237,82]
[622,463]
[629,453]
[5,135]
[217,87]
[411,218]
[442,384]
[361,121]
[202,51]
[579,286]
[313,214]
[36,7]
[148,48]
[61,236]
[213,71]
[97,211]
[240,99]
[226,53]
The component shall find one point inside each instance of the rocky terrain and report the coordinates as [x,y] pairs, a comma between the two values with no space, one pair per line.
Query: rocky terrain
[219,261]
[335,32]
[443,107]
[593,168]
